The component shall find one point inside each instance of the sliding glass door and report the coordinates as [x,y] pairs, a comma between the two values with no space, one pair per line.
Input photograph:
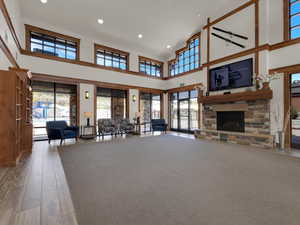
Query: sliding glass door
[184,108]
[52,102]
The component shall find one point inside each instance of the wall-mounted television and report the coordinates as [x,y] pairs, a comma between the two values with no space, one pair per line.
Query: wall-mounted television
[235,75]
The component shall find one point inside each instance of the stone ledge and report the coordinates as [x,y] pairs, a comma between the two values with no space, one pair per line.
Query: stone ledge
[255,140]
[237,133]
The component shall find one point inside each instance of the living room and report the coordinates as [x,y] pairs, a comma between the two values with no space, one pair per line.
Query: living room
[108,95]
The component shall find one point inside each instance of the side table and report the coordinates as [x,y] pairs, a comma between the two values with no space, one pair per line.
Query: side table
[88,132]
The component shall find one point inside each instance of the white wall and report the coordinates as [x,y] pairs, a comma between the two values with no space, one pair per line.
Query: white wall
[4,63]
[285,56]
[12,7]
[277,103]
[166,107]
[275,21]
[264,21]
[45,66]
[133,106]
[242,23]
[203,50]
[190,79]
[86,105]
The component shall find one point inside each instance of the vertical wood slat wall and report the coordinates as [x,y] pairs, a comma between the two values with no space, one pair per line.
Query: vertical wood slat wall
[15,116]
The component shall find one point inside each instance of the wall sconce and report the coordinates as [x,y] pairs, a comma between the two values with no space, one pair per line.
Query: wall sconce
[134,98]
[87,95]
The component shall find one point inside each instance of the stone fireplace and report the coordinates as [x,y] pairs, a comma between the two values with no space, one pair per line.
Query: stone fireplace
[241,118]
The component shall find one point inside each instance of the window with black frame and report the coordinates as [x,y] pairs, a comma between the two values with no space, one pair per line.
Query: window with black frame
[54,46]
[294,11]
[150,108]
[186,60]
[184,111]
[151,67]
[110,57]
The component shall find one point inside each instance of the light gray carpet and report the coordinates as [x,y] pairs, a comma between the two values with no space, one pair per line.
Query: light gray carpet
[169,180]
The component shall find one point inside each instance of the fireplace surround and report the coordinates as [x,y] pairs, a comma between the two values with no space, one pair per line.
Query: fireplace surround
[251,112]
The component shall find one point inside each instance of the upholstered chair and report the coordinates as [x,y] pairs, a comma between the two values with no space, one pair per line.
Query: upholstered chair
[107,126]
[60,130]
[125,126]
[159,125]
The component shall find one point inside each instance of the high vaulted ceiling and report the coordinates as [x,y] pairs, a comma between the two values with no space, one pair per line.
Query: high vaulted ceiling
[162,22]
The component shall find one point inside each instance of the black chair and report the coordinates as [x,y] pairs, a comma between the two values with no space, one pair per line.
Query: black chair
[159,125]
[60,130]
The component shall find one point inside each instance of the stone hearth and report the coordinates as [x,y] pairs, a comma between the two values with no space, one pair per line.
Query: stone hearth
[256,122]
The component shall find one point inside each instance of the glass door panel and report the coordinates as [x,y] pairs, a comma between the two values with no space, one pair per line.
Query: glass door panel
[103,107]
[146,112]
[155,107]
[174,114]
[295,110]
[184,114]
[42,111]
[194,114]
[150,108]
[62,110]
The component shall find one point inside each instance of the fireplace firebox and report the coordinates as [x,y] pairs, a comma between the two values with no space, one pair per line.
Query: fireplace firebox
[231,121]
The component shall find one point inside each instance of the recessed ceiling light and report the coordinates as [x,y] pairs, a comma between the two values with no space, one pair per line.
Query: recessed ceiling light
[168,46]
[140,36]
[199,14]
[44,1]
[100,21]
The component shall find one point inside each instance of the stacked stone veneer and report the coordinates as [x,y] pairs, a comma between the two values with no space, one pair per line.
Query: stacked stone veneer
[257,125]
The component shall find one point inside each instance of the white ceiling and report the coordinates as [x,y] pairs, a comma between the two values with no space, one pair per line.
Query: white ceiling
[162,22]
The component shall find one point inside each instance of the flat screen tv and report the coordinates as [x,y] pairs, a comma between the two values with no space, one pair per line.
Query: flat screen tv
[235,75]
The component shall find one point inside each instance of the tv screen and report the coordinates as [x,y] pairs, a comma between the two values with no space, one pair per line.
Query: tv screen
[235,75]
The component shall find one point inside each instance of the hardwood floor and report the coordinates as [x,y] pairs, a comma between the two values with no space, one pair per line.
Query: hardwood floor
[36,191]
